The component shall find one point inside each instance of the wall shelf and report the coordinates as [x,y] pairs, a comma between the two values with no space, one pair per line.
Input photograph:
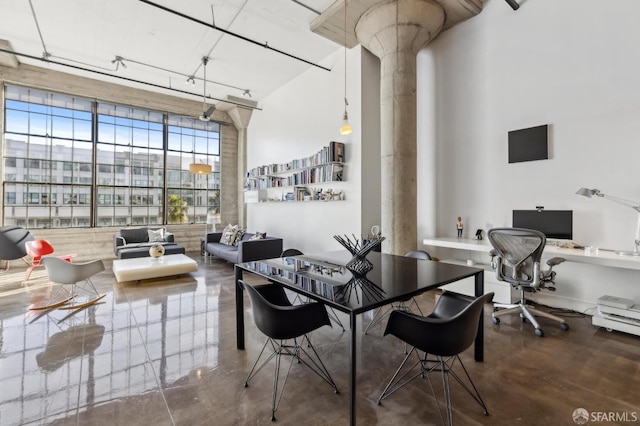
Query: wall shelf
[326,166]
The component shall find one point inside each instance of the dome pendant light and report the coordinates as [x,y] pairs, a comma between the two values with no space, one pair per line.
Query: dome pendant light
[346,127]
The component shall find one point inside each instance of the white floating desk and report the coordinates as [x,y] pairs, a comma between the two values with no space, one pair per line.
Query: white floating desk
[603,258]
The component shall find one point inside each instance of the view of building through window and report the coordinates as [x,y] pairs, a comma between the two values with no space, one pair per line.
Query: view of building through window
[131,170]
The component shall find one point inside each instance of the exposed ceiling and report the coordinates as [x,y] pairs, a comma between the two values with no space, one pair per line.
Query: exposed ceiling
[164,48]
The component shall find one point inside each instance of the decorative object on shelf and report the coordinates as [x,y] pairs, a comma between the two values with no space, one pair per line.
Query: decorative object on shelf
[586,192]
[460,227]
[156,251]
[359,265]
[375,232]
[478,234]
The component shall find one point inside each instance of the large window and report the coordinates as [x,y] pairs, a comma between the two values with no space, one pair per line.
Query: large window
[132,170]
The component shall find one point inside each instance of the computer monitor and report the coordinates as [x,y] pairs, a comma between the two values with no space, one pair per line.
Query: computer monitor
[554,224]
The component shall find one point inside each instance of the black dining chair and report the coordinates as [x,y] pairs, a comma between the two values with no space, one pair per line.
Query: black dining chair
[286,327]
[406,305]
[445,333]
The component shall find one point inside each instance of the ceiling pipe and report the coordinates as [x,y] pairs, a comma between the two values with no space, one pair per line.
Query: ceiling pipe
[514,4]
[227,32]
[132,80]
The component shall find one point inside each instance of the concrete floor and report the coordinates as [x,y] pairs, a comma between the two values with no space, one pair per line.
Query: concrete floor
[164,352]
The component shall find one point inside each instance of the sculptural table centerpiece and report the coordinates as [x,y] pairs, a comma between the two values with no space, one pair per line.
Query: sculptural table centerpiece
[359,264]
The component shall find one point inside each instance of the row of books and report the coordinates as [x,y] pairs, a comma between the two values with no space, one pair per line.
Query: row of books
[334,153]
[320,174]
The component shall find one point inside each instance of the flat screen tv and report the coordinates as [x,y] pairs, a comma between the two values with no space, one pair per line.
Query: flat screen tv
[554,224]
[528,144]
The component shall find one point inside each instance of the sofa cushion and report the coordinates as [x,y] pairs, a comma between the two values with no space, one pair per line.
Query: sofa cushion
[229,234]
[155,235]
[239,237]
[135,235]
[258,236]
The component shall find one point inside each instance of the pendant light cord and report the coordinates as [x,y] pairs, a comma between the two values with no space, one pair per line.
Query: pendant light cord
[345,56]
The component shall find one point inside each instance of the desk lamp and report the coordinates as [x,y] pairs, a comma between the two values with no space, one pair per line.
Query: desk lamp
[586,192]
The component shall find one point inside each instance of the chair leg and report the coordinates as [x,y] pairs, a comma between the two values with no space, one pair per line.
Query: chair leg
[398,381]
[446,369]
[280,349]
[538,313]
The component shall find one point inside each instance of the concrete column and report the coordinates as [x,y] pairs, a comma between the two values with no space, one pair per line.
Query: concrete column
[241,117]
[395,31]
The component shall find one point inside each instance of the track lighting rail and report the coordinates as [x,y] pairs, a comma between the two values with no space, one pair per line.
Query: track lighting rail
[132,80]
[230,33]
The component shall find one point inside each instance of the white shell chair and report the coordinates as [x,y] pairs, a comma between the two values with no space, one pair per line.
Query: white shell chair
[67,273]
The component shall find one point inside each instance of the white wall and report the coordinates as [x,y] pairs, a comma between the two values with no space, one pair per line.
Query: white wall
[295,122]
[570,64]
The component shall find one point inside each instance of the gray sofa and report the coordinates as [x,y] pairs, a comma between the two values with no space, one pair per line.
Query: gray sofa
[245,251]
[134,242]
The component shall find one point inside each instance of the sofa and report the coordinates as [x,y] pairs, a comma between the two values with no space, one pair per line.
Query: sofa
[247,249]
[135,242]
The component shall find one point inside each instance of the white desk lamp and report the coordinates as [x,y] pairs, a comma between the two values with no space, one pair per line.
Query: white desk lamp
[586,192]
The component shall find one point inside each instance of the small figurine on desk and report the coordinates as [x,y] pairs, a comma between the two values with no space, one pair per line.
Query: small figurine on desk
[459,227]
[479,234]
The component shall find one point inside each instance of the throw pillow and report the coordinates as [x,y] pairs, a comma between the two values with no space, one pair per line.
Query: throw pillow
[258,236]
[156,236]
[229,234]
[239,236]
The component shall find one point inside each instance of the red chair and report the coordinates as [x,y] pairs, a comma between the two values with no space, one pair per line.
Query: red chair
[36,249]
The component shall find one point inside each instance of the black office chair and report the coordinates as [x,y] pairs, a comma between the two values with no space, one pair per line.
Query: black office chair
[277,318]
[332,313]
[381,313]
[516,257]
[445,333]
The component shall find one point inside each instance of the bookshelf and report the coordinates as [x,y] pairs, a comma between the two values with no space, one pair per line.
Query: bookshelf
[302,179]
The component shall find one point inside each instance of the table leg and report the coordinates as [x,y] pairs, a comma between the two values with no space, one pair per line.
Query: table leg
[479,343]
[352,369]
[239,310]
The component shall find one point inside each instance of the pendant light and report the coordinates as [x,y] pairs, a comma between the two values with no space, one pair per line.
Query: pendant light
[206,112]
[346,128]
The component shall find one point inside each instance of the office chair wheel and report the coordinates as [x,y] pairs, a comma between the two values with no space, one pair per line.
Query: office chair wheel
[539,332]
[564,326]
[495,320]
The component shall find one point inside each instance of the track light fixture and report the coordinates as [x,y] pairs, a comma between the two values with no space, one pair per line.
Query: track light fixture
[247,93]
[514,4]
[118,61]
[191,80]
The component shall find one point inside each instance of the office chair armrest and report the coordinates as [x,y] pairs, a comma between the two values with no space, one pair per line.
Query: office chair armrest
[555,261]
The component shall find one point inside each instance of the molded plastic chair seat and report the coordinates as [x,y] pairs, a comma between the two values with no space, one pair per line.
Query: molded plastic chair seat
[37,249]
[448,331]
[280,321]
[67,273]
[12,244]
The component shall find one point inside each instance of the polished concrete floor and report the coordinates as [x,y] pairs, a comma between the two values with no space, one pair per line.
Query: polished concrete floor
[164,352]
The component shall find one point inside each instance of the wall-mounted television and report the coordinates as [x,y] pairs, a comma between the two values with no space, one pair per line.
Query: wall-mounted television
[528,144]
[554,224]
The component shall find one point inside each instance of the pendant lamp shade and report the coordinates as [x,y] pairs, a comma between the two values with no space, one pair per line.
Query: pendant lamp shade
[199,168]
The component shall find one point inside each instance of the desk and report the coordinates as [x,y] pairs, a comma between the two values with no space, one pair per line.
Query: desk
[603,258]
[324,278]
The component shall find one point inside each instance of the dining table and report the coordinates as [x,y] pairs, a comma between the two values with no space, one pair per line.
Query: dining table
[324,277]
